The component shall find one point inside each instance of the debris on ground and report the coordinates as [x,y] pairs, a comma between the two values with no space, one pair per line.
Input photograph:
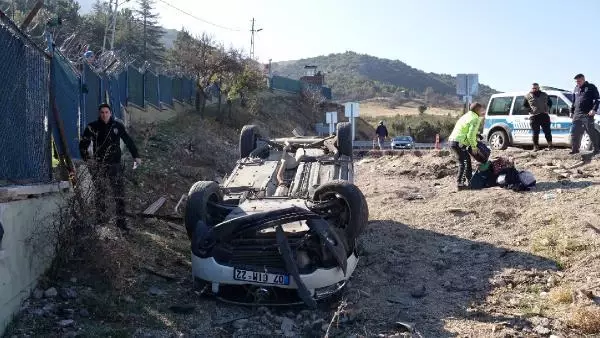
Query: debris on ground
[487,263]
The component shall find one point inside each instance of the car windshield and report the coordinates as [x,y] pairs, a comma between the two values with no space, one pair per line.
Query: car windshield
[403,138]
[570,96]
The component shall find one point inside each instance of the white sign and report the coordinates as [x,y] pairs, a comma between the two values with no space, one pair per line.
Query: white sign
[331,117]
[351,109]
[467,84]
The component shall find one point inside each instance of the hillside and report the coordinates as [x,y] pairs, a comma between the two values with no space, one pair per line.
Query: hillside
[354,76]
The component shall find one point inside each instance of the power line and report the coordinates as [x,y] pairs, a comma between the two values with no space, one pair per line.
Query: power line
[200,19]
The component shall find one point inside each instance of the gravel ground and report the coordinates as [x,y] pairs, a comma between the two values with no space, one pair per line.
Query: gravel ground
[435,262]
[479,263]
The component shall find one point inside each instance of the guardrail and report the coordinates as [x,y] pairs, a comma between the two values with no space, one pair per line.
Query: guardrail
[362,145]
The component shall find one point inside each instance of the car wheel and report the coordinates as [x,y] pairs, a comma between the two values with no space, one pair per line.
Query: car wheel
[248,137]
[498,140]
[586,143]
[353,214]
[344,138]
[196,208]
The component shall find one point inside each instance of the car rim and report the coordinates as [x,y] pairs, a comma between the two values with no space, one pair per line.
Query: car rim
[496,141]
[585,142]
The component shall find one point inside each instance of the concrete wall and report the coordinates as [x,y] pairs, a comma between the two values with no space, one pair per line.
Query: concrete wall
[22,261]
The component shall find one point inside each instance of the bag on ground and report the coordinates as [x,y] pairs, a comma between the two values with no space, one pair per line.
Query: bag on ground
[527,179]
[483,152]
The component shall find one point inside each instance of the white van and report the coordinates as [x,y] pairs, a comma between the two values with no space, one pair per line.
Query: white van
[507,122]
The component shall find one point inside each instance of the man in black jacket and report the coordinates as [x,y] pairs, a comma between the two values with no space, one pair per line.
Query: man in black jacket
[538,103]
[381,133]
[583,110]
[106,134]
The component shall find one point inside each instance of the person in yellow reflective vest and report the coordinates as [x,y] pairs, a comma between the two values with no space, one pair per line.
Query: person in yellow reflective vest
[463,138]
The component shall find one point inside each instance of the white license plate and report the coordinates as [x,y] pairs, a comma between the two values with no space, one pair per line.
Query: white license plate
[261,277]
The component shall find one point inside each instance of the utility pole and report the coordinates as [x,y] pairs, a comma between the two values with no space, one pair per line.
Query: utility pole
[252,39]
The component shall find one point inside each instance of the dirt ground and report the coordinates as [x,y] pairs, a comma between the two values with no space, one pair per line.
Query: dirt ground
[379,109]
[492,262]
[489,263]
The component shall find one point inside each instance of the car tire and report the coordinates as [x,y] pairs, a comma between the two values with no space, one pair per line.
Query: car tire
[248,138]
[344,138]
[358,209]
[196,207]
[498,140]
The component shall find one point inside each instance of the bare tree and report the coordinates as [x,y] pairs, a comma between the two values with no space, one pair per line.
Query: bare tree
[212,64]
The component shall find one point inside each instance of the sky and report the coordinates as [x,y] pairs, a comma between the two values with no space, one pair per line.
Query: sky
[509,43]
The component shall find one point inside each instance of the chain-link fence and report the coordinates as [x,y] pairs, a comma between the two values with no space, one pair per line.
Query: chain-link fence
[177,89]
[24,109]
[165,85]
[91,93]
[151,83]
[122,78]
[114,96]
[285,84]
[188,90]
[66,83]
[135,85]
[79,85]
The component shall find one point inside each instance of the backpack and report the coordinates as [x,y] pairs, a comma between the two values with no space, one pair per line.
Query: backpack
[483,152]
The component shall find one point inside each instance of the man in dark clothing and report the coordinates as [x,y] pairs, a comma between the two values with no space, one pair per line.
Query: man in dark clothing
[381,133]
[106,134]
[538,103]
[583,110]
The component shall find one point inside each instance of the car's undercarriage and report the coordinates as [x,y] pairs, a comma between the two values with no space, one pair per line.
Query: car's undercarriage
[286,218]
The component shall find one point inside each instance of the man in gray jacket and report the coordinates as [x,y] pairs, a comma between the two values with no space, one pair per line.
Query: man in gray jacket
[538,103]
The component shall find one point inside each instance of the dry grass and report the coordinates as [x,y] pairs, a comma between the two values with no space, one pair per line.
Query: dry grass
[586,319]
[78,242]
[557,243]
[380,109]
[561,295]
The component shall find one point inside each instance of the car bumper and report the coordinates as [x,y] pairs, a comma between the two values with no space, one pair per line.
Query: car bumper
[209,270]
[402,146]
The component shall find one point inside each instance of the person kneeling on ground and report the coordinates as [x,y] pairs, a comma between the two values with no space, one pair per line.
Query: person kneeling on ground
[463,137]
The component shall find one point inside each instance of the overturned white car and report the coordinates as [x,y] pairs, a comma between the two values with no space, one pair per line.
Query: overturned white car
[284,223]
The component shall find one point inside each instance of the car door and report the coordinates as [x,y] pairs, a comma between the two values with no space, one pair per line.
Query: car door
[521,130]
[560,122]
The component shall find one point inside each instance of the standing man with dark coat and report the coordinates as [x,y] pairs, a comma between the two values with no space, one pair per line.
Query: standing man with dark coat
[583,110]
[538,103]
[106,134]
[381,133]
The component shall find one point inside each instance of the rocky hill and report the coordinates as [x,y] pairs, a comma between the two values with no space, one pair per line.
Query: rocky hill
[356,76]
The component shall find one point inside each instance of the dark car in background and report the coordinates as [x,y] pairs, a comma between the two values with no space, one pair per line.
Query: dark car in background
[402,142]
